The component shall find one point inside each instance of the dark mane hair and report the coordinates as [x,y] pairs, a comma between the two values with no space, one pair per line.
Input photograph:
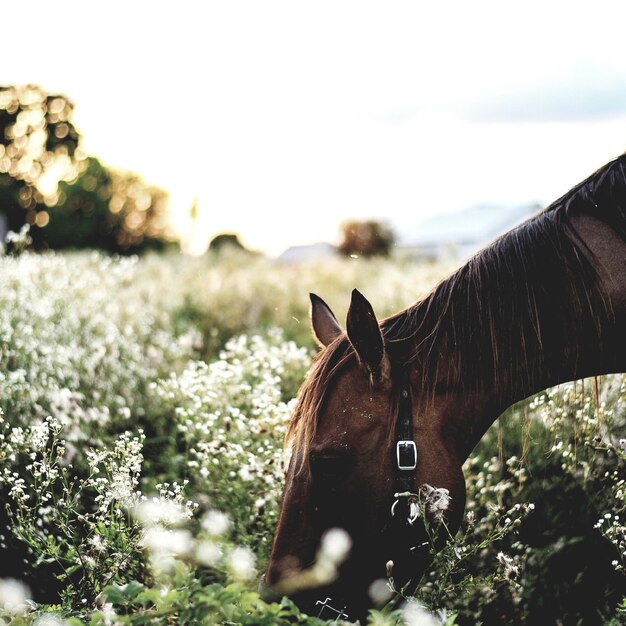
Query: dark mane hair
[499,319]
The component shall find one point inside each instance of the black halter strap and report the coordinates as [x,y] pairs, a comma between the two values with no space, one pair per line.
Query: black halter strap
[406,450]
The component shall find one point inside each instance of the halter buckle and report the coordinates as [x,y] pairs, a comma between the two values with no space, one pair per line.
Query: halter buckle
[406,454]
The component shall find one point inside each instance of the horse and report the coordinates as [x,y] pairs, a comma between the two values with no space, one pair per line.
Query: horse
[390,410]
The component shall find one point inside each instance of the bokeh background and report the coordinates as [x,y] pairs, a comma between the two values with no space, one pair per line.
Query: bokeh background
[278,121]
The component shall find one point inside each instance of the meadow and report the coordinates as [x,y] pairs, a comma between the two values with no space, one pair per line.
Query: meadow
[143,406]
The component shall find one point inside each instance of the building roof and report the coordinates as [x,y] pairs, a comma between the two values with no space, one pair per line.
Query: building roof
[312,252]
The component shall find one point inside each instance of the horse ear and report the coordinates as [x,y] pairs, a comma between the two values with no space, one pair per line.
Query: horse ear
[365,336]
[325,325]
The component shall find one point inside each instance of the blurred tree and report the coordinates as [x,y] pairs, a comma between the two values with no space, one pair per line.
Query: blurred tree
[69,200]
[107,209]
[225,241]
[38,147]
[366,238]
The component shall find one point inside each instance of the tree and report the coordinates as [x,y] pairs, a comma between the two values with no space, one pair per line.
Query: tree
[107,209]
[38,147]
[226,241]
[70,200]
[366,238]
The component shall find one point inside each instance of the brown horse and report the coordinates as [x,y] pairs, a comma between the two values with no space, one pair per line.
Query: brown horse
[394,408]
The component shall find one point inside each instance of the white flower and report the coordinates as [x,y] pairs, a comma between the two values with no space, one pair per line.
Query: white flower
[436,500]
[336,544]
[176,542]
[159,511]
[14,595]
[98,543]
[414,614]
[215,522]
[511,569]
[241,562]
[38,435]
[208,553]
[109,615]
[380,592]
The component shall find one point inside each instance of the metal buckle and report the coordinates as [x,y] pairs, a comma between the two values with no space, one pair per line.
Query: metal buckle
[406,454]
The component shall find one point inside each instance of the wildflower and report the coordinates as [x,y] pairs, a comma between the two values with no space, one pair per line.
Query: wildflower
[436,500]
[20,240]
[414,614]
[157,511]
[176,542]
[208,553]
[14,596]
[380,592]
[216,523]
[510,568]
[336,544]
[39,435]
[241,562]
[108,614]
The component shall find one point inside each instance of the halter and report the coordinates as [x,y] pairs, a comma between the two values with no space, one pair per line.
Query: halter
[406,507]
[406,454]
[406,450]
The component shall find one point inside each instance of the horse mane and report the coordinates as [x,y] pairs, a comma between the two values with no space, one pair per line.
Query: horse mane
[493,323]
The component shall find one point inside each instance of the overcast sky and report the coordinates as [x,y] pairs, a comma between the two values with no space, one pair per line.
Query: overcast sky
[284,118]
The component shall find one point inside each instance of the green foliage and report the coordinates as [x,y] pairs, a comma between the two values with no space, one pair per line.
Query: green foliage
[109,210]
[70,201]
[37,138]
[144,404]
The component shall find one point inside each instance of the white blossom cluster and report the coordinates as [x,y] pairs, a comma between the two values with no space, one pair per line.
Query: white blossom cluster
[233,416]
[80,335]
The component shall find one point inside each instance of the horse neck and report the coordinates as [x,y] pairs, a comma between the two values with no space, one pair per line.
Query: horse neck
[541,308]
[591,337]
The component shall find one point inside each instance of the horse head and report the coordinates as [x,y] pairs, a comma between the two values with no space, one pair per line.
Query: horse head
[372,480]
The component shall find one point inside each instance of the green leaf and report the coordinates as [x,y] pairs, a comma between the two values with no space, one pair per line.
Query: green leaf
[114,594]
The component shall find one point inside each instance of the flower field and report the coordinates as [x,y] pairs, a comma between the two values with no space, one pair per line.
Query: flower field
[143,405]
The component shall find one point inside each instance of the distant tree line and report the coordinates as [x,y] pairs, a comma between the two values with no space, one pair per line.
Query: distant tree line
[71,200]
[366,238]
[68,198]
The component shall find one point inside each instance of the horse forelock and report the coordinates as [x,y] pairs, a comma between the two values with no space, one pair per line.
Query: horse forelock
[312,393]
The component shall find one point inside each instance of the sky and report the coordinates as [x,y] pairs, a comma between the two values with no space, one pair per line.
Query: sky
[283,119]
